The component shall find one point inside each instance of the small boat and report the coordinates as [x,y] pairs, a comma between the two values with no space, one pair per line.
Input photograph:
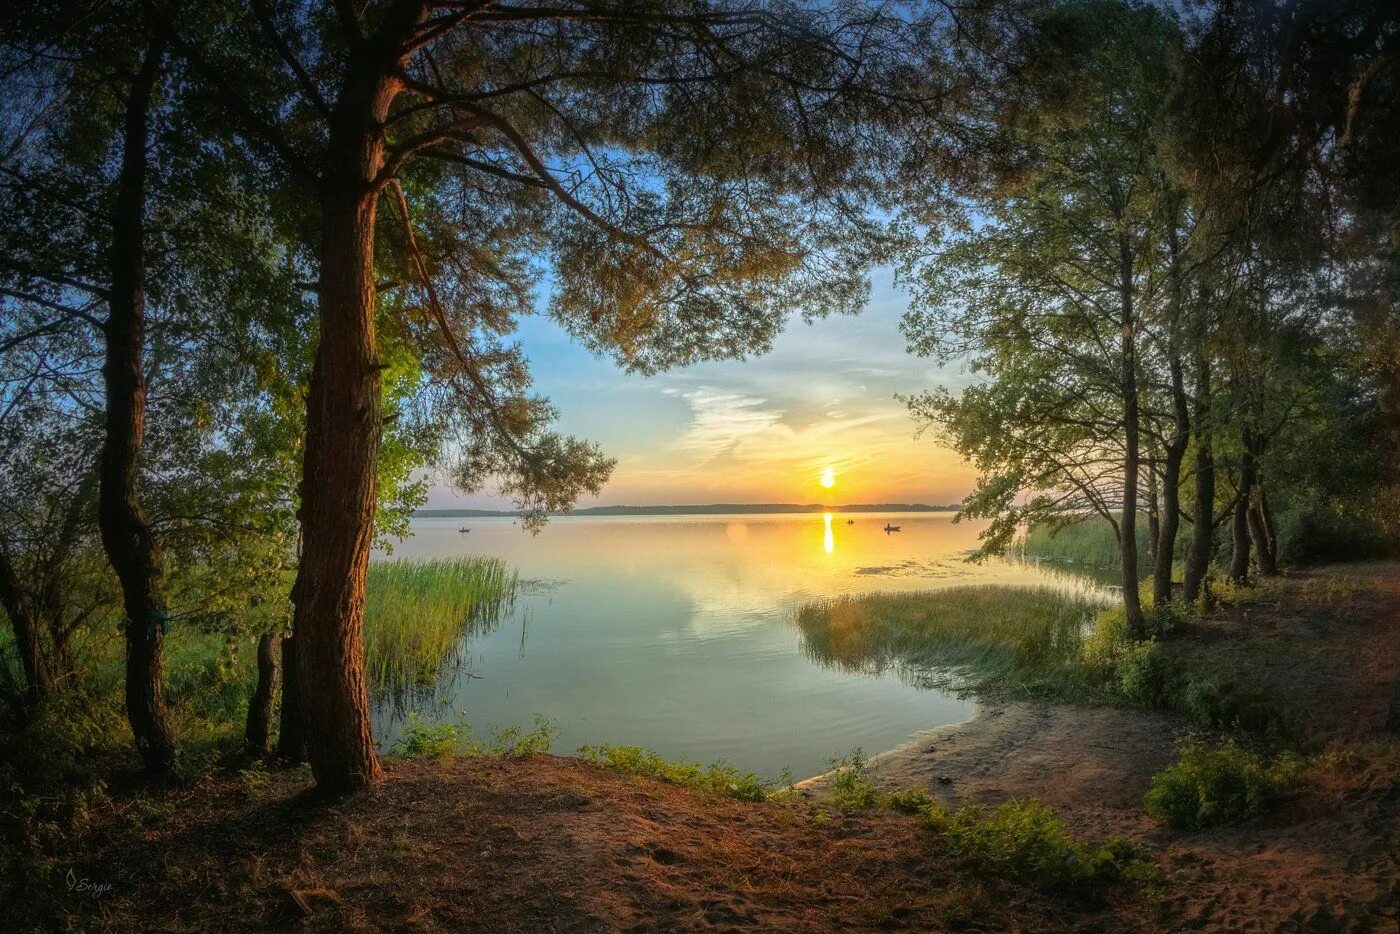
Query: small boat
[464,530]
[891,528]
[850,522]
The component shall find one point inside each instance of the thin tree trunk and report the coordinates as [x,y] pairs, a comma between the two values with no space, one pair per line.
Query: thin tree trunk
[131,547]
[291,734]
[1154,516]
[1259,535]
[1132,603]
[257,732]
[1170,520]
[37,681]
[1239,525]
[1270,530]
[343,425]
[1203,512]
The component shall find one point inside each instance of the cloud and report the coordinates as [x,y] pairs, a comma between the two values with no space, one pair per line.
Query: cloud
[721,421]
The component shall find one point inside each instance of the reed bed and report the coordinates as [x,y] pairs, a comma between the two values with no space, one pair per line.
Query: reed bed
[418,612]
[977,636]
[1090,541]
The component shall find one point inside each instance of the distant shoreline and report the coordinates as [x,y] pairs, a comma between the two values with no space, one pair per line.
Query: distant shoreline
[710,509]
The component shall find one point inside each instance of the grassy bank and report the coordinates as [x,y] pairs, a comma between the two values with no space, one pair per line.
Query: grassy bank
[985,637]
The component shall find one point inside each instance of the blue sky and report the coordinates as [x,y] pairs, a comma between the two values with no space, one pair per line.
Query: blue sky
[757,430]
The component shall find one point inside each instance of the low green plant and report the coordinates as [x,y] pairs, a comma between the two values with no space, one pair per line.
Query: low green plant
[1237,706]
[1226,784]
[1027,842]
[720,778]
[517,742]
[848,781]
[1144,675]
[425,739]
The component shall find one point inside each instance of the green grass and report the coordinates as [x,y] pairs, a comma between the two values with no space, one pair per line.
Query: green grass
[417,613]
[719,778]
[992,637]
[1090,541]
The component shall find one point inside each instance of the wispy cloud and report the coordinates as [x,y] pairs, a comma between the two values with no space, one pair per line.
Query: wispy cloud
[721,421]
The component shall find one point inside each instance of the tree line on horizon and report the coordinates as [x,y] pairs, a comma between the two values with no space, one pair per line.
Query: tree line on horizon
[262,263]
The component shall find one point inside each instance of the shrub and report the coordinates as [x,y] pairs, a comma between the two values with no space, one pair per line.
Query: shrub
[1025,841]
[1246,708]
[421,738]
[1144,674]
[849,782]
[1225,784]
[514,741]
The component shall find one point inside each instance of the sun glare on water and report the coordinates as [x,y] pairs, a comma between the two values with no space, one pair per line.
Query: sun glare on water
[828,478]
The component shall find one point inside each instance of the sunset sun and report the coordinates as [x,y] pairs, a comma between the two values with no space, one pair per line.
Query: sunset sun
[828,478]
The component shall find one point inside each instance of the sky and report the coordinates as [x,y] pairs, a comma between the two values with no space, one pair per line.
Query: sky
[760,430]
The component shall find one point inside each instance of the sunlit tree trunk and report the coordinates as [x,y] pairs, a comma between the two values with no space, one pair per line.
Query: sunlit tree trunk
[340,466]
[1170,519]
[130,545]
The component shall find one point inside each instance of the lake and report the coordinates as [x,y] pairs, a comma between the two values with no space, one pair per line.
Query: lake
[675,632]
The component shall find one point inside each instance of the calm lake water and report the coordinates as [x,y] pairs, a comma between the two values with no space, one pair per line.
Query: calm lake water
[675,633]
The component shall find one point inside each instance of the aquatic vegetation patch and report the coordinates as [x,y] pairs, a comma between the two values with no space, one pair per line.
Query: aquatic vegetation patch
[1028,639]
[418,612]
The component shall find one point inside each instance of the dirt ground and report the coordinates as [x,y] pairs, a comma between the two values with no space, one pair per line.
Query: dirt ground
[555,844]
[1329,641]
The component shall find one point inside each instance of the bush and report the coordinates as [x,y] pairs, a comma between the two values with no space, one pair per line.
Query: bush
[1226,784]
[849,782]
[1246,708]
[1145,677]
[1025,841]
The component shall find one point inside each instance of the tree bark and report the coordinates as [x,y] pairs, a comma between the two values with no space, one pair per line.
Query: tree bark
[1132,603]
[291,734]
[1170,520]
[1203,512]
[1239,524]
[257,732]
[130,545]
[1259,535]
[340,465]
[38,683]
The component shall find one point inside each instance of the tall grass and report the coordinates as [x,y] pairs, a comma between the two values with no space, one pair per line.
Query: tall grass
[417,613]
[986,636]
[1090,541]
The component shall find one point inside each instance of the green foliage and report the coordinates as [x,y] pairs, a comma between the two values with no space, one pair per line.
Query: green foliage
[848,781]
[1210,785]
[1232,705]
[1145,677]
[1027,842]
[435,739]
[719,778]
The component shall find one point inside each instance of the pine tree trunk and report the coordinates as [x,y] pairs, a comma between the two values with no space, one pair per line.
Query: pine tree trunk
[340,466]
[1170,521]
[130,545]
[1203,512]
[1132,603]
[291,733]
[1239,525]
[257,732]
